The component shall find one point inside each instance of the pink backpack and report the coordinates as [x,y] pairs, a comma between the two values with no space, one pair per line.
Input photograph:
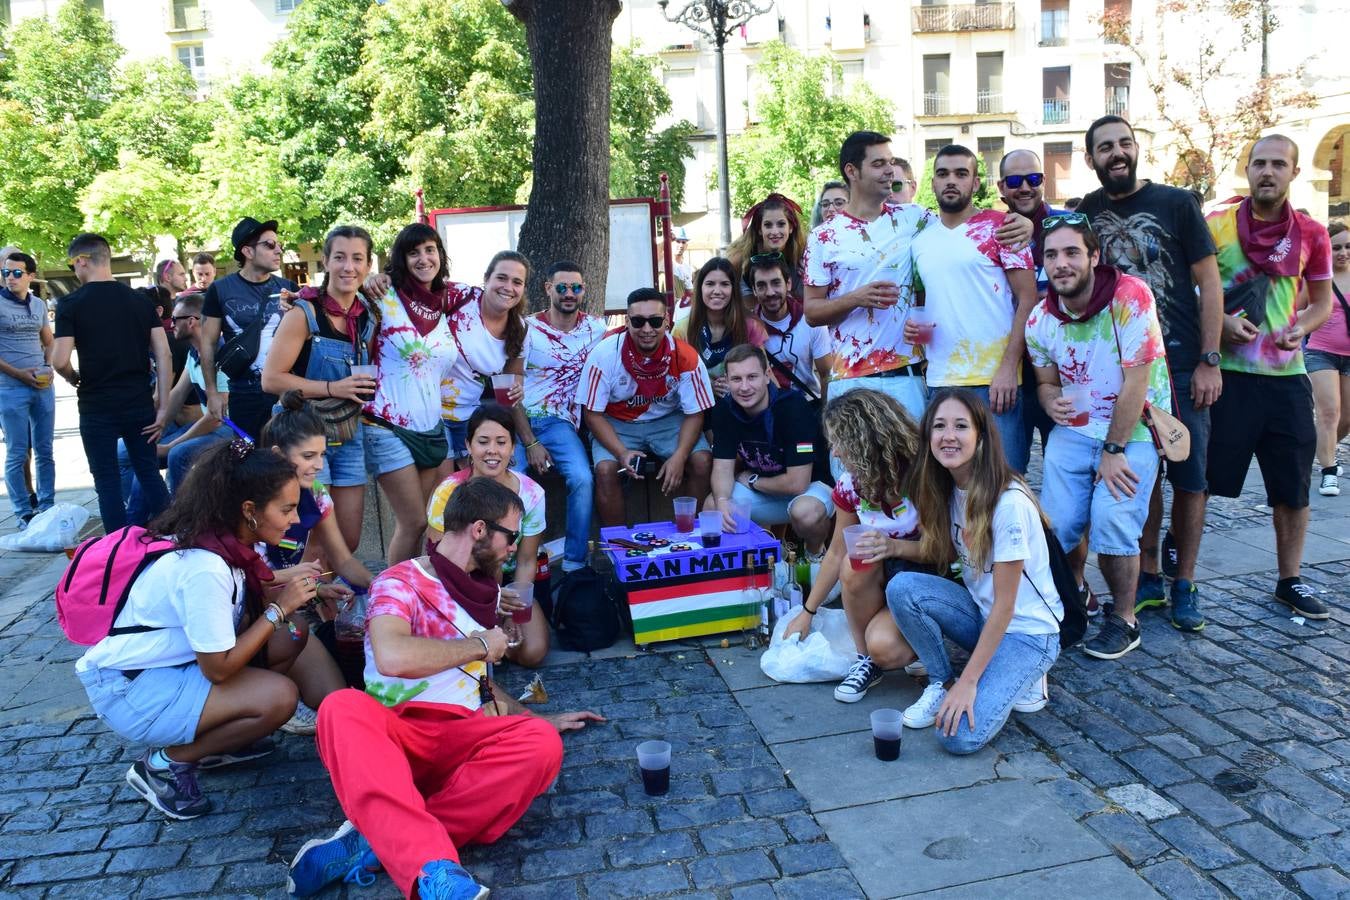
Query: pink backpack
[98,581]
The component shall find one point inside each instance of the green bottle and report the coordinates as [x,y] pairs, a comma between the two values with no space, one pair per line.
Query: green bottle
[802,573]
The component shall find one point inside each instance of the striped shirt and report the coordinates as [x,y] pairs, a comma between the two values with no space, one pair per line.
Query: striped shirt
[608,387]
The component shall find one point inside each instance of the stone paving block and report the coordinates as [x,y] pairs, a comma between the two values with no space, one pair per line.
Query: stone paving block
[1142,802]
[544,864]
[59,868]
[837,884]
[741,835]
[742,781]
[1303,755]
[941,850]
[1203,801]
[1176,879]
[771,803]
[1307,791]
[1073,796]
[1194,842]
[1252,882]
[23,846]
[110,886]
[1290,817]
[1268,848]
[795,712]
[732,868]
[1031,764]
[1197,727]
[1103,877]
[753,892]
[1323,883]
[657,848]
[140,859]
[623,822]
[549,890]
[855,775]
[1124,834]
[800,859]
[1094,765]
[700,812]
[1155,767]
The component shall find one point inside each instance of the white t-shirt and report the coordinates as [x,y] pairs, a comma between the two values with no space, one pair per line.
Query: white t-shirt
[961,271]
[193,597]
[797,347]
[608,387]
[412,367]
[846,253]
[553,363]
[1017,535]
[900,523]
[480,353]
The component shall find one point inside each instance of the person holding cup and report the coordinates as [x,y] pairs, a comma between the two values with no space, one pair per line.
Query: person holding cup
[319,340]
[1097,346]
[27,402]
[876,441]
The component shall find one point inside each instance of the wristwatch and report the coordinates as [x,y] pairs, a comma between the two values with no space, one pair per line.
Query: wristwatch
[272,615]
[750,482]
[1211,358]
[1113,448]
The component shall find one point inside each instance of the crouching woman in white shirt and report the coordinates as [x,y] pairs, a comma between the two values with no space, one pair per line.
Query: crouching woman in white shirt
[191,686]
[974,508]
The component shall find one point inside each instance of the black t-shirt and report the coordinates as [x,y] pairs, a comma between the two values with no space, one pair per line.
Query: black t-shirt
[238,302]
[793,443]
[1157,233]
[111,325]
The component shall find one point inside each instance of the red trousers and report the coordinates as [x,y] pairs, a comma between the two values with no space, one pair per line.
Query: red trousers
[423,779]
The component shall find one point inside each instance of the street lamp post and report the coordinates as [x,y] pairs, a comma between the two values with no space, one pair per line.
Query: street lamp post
[716,19]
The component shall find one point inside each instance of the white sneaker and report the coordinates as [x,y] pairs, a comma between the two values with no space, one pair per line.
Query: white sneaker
[305,721]
[917,669]
[924,711]
[1034,697]
[1331,487]
[860,678]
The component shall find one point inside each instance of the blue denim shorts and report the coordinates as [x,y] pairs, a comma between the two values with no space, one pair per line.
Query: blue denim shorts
[160,707]
[457,435]
[657,437]
[344,465]
[1074,503]
[776,509]
[385,451]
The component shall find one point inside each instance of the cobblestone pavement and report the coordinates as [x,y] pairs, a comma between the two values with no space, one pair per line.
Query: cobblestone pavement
[1215,764]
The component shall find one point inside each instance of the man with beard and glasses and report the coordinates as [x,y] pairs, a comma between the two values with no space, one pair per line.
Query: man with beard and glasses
[1269,253]
[643,391]
[980,292]
[1096,335]
[1158,233]
[557,342]
[433,755]
[798,352]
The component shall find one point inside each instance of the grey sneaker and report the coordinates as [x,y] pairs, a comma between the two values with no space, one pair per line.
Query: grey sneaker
[172,791]
[1114,640]
[861,678]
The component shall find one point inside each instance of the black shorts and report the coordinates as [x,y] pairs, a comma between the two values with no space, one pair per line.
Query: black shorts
[1189,474]
[1270,416]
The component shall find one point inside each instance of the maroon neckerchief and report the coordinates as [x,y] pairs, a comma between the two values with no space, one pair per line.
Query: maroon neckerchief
[475,591]
[1103,289]
[423,305]
[349,316]
[239,555]
[1273,247]
[648,371]
[794,316]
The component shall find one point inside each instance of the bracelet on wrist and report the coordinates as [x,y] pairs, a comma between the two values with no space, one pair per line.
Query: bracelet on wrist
[487,651]
[328,386]
[809,612]
[534,443]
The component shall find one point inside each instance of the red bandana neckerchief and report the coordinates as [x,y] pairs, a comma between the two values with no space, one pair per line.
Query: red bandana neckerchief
[423,305]
[1273,247]
[475,591]
[794,309]
[349,316]
[648,371]
[1103,290]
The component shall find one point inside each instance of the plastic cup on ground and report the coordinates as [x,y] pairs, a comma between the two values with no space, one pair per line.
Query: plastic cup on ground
[922,317]
[851,535]
[1081,397]
[710,528]
[501,389]
[686,508]
[654,762]
[740,514]
[886,732]
[525,594]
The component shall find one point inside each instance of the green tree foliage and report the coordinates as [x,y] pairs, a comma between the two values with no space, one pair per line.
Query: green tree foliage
[141,198]
[155,112]
[794,147]
[986,195]
[641,153]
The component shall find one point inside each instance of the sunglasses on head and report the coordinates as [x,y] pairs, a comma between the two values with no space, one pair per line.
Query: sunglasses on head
[72,260]
[772,256]
[653,322]
[511,536]
[13,273]
[1068,218]
[1034,179]
[577,288]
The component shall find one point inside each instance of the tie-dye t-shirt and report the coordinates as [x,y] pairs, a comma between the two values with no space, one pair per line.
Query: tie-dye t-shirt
[480,353]
[899,523]
[411,591]
[961,272]
[530,493]
[412,367]
[1274,311]
[1086,353]
[846,253]
[553,363]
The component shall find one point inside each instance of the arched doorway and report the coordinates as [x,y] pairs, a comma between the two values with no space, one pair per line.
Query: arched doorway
[1333,156]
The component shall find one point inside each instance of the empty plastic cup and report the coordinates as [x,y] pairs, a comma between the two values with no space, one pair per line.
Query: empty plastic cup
[710,528]
[922,317]
[740,514]
[685,510]
[851,535]
[654,762]
[501,388]
[524,591]
[886,733]
[1080,395]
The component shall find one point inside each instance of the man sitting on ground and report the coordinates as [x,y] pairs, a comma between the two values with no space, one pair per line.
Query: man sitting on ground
[418,764]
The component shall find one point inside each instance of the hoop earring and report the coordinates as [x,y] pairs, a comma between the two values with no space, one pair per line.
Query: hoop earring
[252,524]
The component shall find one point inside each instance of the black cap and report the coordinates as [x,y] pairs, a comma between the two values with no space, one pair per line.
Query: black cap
[246,232]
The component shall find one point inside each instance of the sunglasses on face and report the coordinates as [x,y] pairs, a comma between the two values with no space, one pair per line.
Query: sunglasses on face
[653,322]
[270,245]
[177,319]
[1068,218]
[577,289]
[511,536]
[1032,178]
[72,260]
[13,273]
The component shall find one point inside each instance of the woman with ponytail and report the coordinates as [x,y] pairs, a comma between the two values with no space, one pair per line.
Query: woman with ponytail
[181,674]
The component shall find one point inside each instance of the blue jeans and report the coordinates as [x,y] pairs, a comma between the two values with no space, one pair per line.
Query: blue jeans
[563,443]
[131,487]
[1011,429]
[28,419]
[1073,500]
[927,609]
[182,456]
[99,432]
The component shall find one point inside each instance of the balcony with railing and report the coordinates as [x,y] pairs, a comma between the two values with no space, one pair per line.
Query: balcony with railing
[1118,103]
[947,17]
[186,17]
[987,102]
[1055,112]
[936,104]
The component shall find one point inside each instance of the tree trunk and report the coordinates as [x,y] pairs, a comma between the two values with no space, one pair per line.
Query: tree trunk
[568,214]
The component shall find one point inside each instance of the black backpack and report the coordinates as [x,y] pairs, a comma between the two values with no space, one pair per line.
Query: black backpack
[585,612]
[1074,624]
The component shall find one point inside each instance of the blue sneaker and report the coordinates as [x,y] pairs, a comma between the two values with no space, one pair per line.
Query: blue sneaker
[345,856]
[1186,606]
[1151,592]
[446,880]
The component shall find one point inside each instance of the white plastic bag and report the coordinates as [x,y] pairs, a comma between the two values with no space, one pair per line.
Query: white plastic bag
[825,655]
[50,531]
